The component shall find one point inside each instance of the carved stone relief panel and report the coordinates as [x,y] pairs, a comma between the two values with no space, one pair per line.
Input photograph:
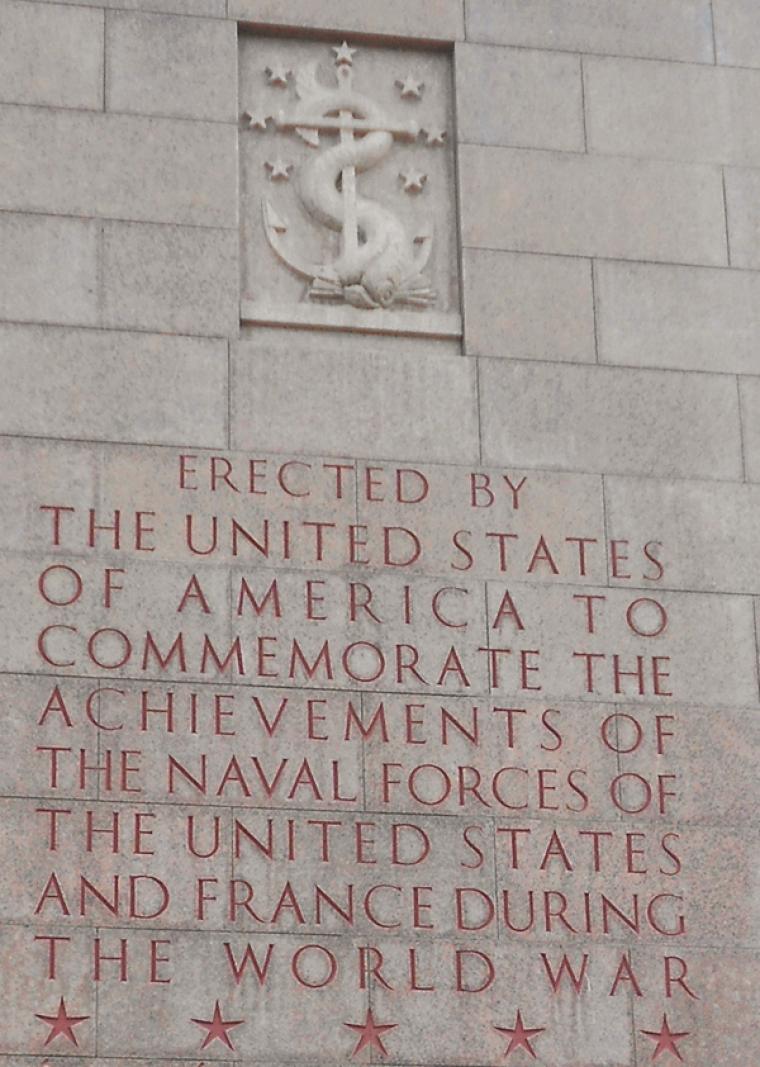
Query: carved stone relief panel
[348,187]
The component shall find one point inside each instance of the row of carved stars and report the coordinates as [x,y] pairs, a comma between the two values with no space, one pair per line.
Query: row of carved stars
[434,135]
[370,1032]
[413,180]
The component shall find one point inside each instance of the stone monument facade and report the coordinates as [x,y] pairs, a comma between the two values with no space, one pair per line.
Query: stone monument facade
[380,533]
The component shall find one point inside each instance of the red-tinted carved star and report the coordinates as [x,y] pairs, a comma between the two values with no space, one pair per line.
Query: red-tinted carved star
[520,1036]
[62,1024]
[217,1028]
[667,1039]
[371,1034]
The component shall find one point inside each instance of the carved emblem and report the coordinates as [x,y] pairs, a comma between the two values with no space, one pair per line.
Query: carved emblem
[381,262]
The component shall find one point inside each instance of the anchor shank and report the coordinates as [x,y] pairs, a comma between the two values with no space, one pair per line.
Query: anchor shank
[348,186]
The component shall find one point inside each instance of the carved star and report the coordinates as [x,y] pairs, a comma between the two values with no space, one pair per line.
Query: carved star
[413,180]
[667,1039]
[278,75]
[410,86]
[520,1036]
[257,120]
[435,136]
[279,171]
[344,54]
[62,1024]
[217,1028]
[371,1034]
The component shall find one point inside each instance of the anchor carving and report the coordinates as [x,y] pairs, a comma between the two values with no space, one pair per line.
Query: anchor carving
[380,264]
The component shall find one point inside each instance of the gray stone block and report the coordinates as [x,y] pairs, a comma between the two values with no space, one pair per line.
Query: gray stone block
[361,404]
[538,98]
[49,269]
[673,111]
[206,8]
[440,21]
[690,318]
[171,65]
[506,297]
[737,32]
[708,530]
[170,278]
[51,54]
[101,384]
[118,166]
[609,419]
[743,209]
[667,29]
[750,398]
[591,205]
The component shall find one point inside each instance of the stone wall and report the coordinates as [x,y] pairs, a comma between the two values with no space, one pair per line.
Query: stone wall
[609,220]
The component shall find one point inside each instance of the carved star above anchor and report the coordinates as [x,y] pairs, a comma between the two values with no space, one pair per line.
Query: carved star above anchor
[278,75]
[520,1036]
[279,170]
[217,1028]
[410,87]
[344,54]
[257,120]
[414,180]
[435,136]
[667,1039]
[62,1024]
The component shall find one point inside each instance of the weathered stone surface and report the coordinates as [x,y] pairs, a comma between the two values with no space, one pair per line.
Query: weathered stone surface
[49,268]
[696,744]
[672,111]
[113,386]
[591,205]
[668,29]
[51,54]
[419,673]
[395,19]
[19,985]
[544,92]
[505,300]
[713,1010]
[690,318]
[209,8]
[750,406]
[609,419]
[170,278]
[493,523]
[431,395]
[167,65]
[118,166]
[743,213]
[713,524]
[200,965]
[737,24]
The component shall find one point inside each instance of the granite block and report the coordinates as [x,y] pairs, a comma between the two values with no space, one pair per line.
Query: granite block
[611,420]
[587,205]
[51,54]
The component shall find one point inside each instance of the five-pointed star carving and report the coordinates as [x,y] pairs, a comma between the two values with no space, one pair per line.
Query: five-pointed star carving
[256,119]
[520,1036]
[437,135]
[278,169]
[667,1039]
[410,86]
[413,180]
[62,1024]
[278,75]
[344,54]
[371,1034]
[217,1028]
